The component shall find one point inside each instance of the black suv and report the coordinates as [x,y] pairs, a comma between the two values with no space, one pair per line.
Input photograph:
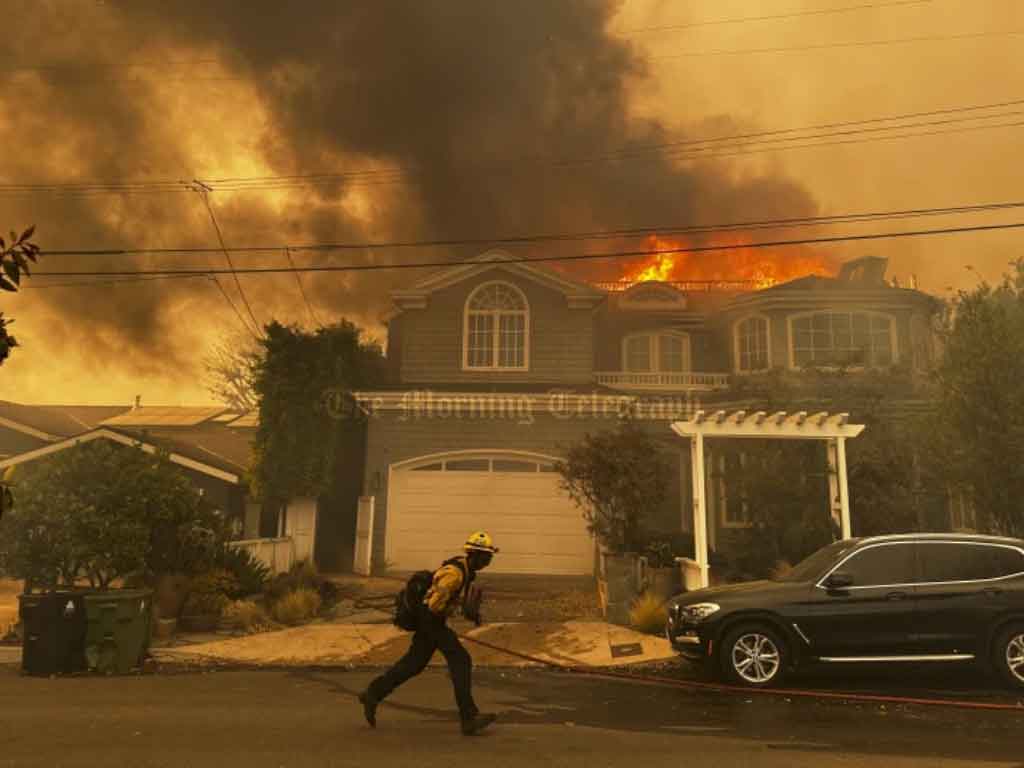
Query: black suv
[915,597]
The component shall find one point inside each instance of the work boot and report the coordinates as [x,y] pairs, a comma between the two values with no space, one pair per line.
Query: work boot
[477,723]
[369,702]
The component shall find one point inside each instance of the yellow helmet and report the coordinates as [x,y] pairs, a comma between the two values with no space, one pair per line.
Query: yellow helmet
[480,542]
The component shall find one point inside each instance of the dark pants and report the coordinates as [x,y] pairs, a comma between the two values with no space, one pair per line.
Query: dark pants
[432,635]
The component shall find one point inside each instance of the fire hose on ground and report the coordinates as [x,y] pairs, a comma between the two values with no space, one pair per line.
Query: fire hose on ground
[698,685]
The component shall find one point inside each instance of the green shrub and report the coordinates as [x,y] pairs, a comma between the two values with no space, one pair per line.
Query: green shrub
[649,614]
[252,574]
[208,593]
[296,607]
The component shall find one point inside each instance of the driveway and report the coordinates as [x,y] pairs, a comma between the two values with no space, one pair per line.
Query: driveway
[307,717]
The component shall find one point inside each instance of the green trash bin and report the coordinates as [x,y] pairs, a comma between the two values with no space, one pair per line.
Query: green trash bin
[119,622]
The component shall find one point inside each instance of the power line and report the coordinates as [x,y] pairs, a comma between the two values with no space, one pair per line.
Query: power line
[203,192]
[775,16]
[852,44]
[604,234]
[397,174]
[543,259]
[302,290]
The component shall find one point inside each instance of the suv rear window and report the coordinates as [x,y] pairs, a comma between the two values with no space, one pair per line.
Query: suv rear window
[961,561]
[881,565]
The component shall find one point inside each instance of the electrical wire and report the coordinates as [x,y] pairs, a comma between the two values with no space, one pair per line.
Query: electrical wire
[302,290]
[398,174]
[775,16]
[204,194]
[851,44]
[547,259]
[663,229]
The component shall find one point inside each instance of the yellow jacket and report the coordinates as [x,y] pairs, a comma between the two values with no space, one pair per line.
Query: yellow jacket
[443,596]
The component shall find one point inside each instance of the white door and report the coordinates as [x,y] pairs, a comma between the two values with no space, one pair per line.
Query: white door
[435,505]
[300,526]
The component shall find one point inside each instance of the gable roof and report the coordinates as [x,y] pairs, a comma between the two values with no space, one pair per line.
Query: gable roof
[166,416]
[189,454]
[52,422]
[578,293]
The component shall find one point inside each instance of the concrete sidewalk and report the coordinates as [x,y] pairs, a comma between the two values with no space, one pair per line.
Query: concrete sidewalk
[568,643]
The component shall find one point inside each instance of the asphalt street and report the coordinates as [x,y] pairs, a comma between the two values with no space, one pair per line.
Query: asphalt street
[311,718]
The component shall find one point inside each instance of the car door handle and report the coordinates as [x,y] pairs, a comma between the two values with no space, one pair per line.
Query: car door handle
[896,596]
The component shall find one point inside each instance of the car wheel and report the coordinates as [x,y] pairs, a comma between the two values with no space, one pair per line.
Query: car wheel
[754,655]
[1008,655]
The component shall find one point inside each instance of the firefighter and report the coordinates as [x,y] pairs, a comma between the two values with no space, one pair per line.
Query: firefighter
[449,590]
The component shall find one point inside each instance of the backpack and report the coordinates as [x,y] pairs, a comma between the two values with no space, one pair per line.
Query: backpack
[410,597]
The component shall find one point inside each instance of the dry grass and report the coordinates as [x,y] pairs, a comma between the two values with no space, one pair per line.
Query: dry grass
[246,615]
[649,614]
[297,607]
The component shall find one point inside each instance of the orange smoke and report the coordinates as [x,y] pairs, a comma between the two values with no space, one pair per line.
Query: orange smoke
[761,267]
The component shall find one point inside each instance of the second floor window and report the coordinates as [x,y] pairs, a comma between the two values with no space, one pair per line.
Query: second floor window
[842,338]
[656,353]
[752,344]
[496,332]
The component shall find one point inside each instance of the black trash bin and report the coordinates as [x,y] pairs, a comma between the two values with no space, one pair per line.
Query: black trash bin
[53,632]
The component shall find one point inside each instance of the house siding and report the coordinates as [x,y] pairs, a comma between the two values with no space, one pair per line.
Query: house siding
[394,438]
[430,350]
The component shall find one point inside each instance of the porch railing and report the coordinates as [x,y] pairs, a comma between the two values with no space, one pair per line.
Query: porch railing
[277,553]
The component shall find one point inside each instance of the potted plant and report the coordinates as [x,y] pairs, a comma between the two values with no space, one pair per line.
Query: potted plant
[616,477]
[664,579]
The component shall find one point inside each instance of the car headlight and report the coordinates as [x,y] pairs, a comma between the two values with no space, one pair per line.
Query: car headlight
[699,611]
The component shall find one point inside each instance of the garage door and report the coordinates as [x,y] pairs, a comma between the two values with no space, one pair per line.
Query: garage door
[435,504]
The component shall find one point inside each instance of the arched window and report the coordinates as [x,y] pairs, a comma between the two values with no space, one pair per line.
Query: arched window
[665,352]
[496,330]
[842,338]
[753,348]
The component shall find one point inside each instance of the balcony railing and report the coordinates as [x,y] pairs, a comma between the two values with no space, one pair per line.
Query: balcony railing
[689,286]
[676,382]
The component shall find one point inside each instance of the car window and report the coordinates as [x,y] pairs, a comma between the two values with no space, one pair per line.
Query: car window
[952,561]
[883,565]
[813,566]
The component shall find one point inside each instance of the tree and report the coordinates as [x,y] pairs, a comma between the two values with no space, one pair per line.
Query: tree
[231,368]
[101,511]
[298,381]
[616,477]
[978,429]
[14,260]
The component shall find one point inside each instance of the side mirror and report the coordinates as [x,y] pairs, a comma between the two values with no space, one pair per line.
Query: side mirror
[839,580]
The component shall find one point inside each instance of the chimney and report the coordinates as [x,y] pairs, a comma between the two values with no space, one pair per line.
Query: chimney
[867,270]
[896,282]
[138,402]
[913,282]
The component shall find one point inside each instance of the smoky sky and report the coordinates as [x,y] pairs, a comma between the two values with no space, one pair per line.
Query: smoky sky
[493,111]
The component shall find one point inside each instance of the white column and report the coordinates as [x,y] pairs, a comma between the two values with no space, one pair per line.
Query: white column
[363,560]
[700,519]
[834,504]
[844,490]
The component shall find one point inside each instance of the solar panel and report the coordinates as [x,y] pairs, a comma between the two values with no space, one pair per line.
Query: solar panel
[166,416]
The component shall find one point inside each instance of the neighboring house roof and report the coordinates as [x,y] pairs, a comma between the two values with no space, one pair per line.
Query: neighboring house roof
[166,416]
[191,454]
[52,422]
[576,292]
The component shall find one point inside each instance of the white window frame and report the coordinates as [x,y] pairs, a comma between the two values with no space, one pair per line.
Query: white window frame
[496,330]
[893,335]
[655,343]
[736,343]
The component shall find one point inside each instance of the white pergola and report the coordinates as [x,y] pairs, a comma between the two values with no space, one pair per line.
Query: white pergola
[834,429]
